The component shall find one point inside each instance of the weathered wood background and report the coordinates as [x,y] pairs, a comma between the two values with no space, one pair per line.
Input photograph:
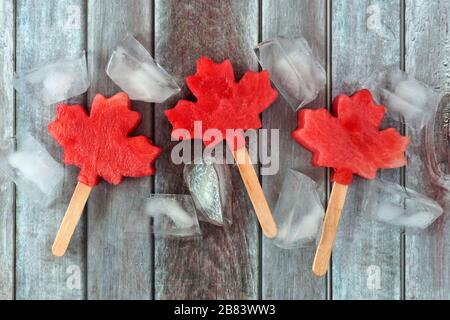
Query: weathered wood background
[352,39]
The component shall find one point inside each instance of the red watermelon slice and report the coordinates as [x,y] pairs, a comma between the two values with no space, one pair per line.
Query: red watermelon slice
[222,103]
[351,142]
[99,143]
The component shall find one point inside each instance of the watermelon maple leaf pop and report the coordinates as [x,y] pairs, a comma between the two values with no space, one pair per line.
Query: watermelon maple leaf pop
[224,104]
[350,143]
[100,146]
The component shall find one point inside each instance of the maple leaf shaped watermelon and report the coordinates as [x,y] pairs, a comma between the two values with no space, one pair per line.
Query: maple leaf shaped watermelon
[351,142]
[222,103]
[99,143]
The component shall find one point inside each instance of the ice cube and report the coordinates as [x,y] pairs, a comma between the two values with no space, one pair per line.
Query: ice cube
[391,203]
[210,187]
[33,170]
[133,69]
[171,208]
[298,212]
[293,69]
[173,216]
[407,97]
[54,82]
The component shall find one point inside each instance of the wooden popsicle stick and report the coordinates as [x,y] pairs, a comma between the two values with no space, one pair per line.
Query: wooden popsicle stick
[255,192]
[329,229]
[71,219]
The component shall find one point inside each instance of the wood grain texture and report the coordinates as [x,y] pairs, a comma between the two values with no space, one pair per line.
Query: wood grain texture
[224,265]
[119,263]
[366,38]
[286,274]
[7,220]
[44,36]
[427,255]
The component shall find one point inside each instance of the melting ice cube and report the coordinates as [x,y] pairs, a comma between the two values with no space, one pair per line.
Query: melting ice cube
[407,97]
[209,184]
[133,69]
[54,82]
[393,204]
[298,212]
[33,170]
[170,207]
[293,69]
[173,216]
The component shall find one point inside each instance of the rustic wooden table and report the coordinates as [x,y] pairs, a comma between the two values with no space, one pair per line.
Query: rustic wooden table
[353,39]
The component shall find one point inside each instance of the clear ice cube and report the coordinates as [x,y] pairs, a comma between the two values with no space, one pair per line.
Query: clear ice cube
[32,168]
[133,69]
[173,216]
[407,97]
[393,204]
[54,82]
[210,186]
[293,69]
[298,212]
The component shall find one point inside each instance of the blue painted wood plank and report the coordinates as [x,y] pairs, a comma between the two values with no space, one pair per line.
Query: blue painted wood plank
[119,263]
[427,48]
[7,221]
[366,257]
[286,274]
[46,32]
